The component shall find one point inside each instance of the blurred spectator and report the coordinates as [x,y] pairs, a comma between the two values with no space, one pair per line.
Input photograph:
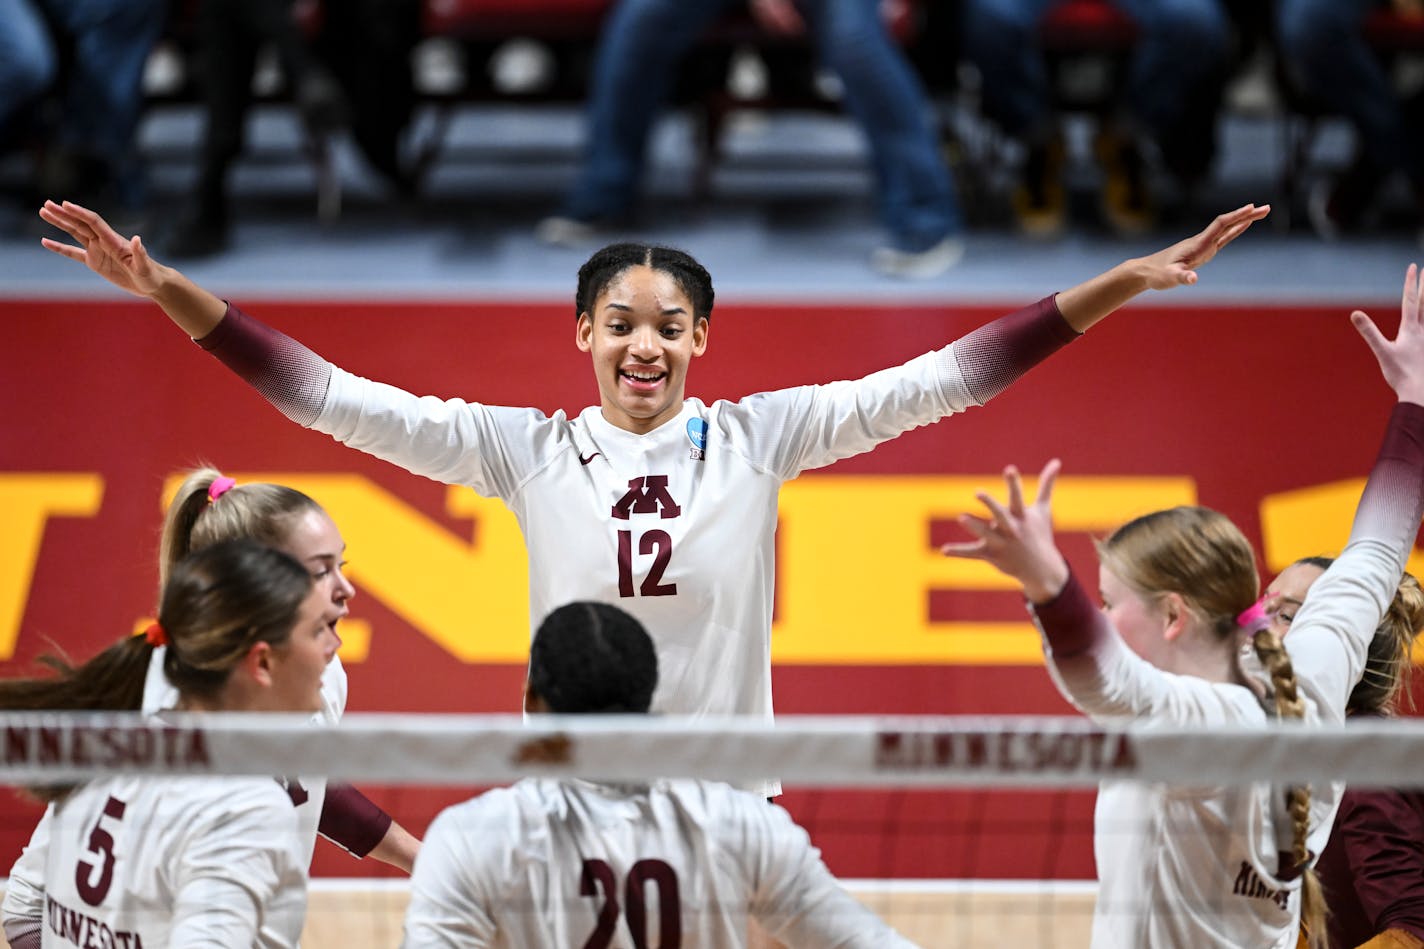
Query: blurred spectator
[1325,54]
[634,71]
[1174,82]
[367,41]
[91,53]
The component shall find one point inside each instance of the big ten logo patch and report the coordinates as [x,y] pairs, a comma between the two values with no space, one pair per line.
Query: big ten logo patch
[697,434]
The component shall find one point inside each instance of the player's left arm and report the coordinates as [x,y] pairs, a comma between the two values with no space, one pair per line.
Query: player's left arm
[241,871]
[357,824]
[796,898]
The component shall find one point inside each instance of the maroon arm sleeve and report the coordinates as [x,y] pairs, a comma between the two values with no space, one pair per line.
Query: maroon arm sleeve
[1383,837]
[350,819]
[1396,482]
[1070,621]
[23,934]
[282,370]
[995,355]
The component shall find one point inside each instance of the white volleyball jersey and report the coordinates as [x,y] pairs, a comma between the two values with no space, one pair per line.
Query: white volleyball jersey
[676,526]
[308,793]
[160,861]
[24,894]
[1193,867]
[552,864]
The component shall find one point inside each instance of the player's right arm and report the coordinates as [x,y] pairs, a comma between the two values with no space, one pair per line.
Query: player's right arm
[23,910]
[445,910]
[450,441]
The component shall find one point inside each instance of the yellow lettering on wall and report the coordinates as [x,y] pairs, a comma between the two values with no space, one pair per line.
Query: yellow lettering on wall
[469,595]
[29,500]
[1311,522]
[856,566]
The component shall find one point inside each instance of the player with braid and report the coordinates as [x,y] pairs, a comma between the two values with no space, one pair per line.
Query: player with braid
[151,860]
[1372,869]
[209,509]
[657,502]
[544,864]
[1225,866]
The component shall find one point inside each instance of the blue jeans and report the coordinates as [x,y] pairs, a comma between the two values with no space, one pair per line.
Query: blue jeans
[1181,45]
[1322,45]
[634,70]
[103,95]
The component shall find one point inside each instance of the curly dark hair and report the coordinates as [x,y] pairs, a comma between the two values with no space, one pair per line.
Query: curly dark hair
[593,658]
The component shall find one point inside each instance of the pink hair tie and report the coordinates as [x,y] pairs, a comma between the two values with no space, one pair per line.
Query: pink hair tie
[219,487]
[1254,618]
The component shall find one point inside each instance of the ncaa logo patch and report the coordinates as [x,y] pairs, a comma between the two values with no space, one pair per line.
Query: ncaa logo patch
[697,434]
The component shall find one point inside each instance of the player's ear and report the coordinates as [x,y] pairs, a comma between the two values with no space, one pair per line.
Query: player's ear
[258,663]
[1174,615]
[583,331]
[700,329]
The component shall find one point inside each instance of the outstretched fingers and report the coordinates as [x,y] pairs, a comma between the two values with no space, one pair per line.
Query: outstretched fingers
[1047,478]
[1409,314]
[65,250]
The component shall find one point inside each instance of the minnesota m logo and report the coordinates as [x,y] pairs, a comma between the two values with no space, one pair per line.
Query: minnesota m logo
[647,495]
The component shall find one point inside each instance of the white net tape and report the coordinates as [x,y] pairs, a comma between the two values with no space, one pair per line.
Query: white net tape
[802,750]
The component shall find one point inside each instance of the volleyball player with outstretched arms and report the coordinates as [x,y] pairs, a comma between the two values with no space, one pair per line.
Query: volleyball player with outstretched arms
[152,860]
[1225,867]
[660,503]
[207,509]
[549,864]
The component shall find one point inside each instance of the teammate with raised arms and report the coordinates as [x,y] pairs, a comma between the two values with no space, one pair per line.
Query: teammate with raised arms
[651,500]
[1231,866]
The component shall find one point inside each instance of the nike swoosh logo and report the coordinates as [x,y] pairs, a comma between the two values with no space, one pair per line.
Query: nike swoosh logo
[584,461]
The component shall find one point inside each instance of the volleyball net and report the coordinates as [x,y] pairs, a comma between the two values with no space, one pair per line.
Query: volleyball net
[962,831]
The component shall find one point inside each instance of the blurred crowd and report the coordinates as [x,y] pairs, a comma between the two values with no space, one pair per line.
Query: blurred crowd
[73,90]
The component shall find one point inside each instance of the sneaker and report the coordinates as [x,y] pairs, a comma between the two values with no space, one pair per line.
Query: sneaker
[1126,200]
[1039,200]
[565,231]
[918,265]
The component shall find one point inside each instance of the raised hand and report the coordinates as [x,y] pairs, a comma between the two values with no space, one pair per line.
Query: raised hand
[1401,359]
[1177,265]
[1018,538]
[122,261]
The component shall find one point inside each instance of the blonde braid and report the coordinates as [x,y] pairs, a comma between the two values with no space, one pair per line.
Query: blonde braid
[1313,911]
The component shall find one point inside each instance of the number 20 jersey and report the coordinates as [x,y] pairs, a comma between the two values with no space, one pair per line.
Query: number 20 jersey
[552,864]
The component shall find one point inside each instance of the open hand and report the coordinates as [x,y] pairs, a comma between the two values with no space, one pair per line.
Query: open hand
[1401,359]
[122,261]
[1018,538]
[1177,265]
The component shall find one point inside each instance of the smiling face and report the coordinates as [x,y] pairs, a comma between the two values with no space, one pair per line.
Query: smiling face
[641,334]
[315,543]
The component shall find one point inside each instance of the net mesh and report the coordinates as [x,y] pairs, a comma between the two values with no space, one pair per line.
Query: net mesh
[958,831]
